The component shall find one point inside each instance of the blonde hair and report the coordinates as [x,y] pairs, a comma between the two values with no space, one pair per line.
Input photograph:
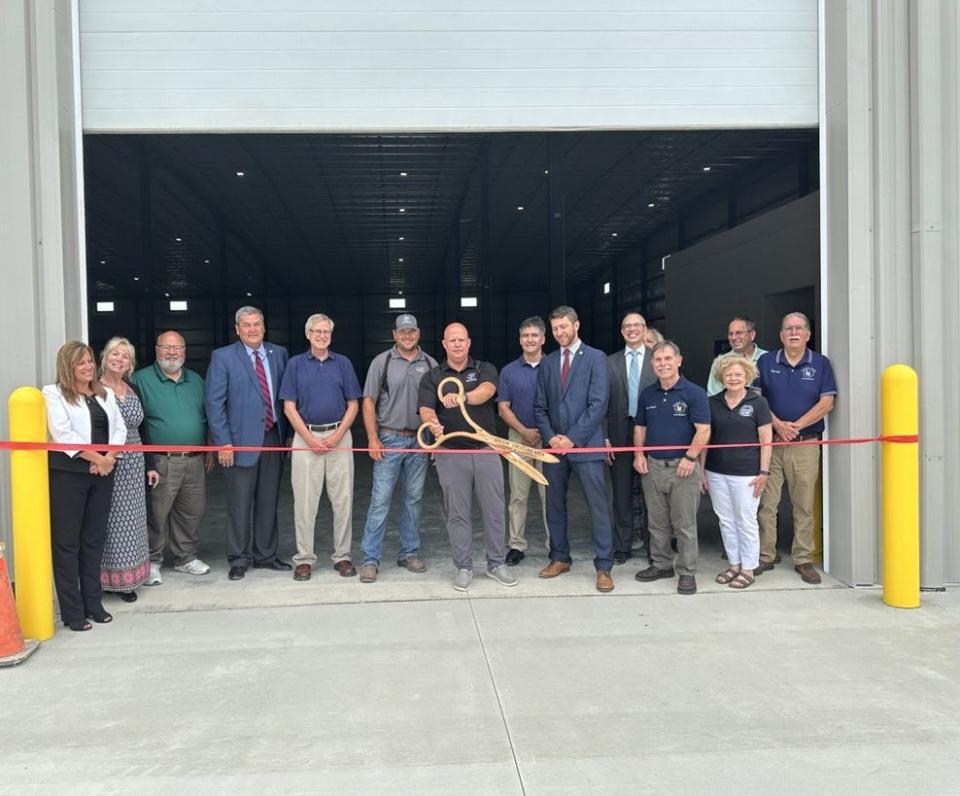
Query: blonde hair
[112,345]
[68,357]
[728,361]
[657,337]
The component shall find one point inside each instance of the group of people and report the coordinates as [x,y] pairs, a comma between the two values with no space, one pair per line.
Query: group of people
[578,402]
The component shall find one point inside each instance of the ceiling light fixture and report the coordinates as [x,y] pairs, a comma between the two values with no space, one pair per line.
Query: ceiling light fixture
[546,171]
[240,174]
[206,262]
[403,174]
[178,240]
[103,262]
[403,210]
[400,259]
[136,279]
[520,208]
[614,234]
[401,238]
[706,168]
[651,204]
[249,293]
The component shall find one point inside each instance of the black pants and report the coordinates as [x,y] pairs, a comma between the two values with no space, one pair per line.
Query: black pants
[79,507]
[252,529]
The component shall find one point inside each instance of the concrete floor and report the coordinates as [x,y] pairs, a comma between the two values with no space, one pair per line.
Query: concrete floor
[406,686]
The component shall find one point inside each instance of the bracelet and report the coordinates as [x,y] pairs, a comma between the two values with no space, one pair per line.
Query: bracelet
[764,472]
[690,458]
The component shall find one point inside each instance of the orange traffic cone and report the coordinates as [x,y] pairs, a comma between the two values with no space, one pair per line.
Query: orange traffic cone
[13,648]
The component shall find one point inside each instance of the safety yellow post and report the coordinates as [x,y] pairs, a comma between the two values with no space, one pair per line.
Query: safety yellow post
[901,487]
[30,491]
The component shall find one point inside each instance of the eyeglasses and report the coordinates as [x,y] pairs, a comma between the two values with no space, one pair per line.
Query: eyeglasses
[634,326]
[321,332]
[176,348]
[795,329]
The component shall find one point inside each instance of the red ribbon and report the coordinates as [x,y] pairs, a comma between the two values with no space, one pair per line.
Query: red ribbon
[905,439]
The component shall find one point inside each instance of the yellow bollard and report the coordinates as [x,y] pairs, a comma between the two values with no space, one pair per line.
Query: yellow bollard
[30,491]
[901,488]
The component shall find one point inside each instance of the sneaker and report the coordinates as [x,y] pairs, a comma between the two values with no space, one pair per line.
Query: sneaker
[501,575]
[195,567]
[463,579]
[154,578]
[368,573]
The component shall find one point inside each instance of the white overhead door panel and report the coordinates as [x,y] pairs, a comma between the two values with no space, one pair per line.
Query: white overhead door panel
[354,65]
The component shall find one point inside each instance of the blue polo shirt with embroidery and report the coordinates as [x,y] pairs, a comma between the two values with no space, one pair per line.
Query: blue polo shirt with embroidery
[792,390]
[669,415]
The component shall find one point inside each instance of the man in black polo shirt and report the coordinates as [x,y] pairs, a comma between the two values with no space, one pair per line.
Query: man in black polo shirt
[460,474]
[671,412]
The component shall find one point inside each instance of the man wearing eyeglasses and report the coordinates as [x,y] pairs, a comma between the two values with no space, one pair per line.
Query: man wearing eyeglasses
[799,386]
[173,406]
[742,336]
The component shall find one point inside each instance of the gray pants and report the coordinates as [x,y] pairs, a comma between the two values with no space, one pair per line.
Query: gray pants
[672,505]
[176,508]
[460,476]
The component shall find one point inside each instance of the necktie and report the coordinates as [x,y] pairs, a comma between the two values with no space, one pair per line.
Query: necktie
[565,368]
[265,389]
[633,384]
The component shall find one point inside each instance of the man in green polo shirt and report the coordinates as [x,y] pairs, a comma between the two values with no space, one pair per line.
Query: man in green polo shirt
[173,403]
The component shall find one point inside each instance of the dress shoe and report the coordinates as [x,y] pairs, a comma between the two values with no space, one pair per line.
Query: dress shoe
[412,564]
[619,557]
[555,568]
[762,567]
[514,557]
[302,572]
[368,573]
[687,584]
[276,564]
[777,558]
[604,581]
[237,573]
[345,568]
[652,573]
[128,596]
[808,572]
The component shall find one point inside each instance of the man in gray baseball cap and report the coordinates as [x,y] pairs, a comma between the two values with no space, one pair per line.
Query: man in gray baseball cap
[391,420]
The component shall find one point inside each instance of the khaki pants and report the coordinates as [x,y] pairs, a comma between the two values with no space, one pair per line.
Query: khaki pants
[799,466]
[672,505]
[519,495]
[309,473]
[176,508]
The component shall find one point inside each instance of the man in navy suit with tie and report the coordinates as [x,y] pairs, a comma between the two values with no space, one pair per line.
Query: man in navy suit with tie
[570,409]
[243,382]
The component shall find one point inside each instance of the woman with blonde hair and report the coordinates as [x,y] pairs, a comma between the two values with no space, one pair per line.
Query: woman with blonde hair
[651,337]
[80,411]
[736,476]
[126,553]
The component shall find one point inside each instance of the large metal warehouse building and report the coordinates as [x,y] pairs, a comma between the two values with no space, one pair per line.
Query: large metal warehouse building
[839,119]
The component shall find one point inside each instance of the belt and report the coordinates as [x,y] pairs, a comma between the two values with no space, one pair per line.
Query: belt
[804,437]
[402,432]
[324,427]
[181,454]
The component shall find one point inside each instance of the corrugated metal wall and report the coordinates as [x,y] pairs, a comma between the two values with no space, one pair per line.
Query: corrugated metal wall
[428,65]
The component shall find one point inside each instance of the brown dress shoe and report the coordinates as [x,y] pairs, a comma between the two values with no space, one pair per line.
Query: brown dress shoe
[413,564]
[808,572]
[345,568]
[302,572]
[604,581]
[555,568]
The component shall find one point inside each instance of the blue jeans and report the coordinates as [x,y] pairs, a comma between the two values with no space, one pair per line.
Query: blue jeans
[413,469]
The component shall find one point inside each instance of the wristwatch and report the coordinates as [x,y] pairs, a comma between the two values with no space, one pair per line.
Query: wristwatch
[764,472]
[690,458]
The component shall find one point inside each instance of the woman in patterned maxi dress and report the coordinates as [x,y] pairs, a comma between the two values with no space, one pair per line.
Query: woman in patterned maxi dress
[126,555]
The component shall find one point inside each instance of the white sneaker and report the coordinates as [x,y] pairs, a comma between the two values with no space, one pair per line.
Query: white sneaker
[463,579]
[154,578]
[501,575]
[195,567]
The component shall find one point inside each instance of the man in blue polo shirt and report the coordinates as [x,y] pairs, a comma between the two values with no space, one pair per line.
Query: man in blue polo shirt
[671,412]
[799,386]
[515,394]
[320,395]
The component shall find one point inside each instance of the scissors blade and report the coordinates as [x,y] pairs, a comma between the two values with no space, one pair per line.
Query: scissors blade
[525,467]
[519,447]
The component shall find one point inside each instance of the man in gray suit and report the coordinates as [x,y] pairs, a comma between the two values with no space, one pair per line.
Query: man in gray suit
[243,384]
[629,371]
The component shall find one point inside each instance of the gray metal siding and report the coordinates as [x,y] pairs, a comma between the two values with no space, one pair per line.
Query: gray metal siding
[417,64]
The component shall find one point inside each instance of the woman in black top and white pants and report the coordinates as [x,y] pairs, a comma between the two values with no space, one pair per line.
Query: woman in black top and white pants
[80,410]
[736,477]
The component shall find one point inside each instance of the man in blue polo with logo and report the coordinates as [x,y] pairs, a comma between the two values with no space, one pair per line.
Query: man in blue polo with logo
[671,412]
[800,388]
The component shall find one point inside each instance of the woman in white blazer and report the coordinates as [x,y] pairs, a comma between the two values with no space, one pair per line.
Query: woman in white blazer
[80,410]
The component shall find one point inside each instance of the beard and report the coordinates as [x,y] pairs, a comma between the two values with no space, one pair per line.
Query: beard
[171,366]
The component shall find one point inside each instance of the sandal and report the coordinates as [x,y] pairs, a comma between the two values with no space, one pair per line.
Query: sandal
[728,576]
[79,626]
[742,581]
[101,617]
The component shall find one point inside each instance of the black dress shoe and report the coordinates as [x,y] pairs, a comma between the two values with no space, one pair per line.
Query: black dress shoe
[514,557]
[236,573]
[128,596]
[619,557]
[276,564]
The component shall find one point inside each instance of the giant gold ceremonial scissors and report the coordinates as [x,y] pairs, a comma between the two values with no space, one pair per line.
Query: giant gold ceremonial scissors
[512,451]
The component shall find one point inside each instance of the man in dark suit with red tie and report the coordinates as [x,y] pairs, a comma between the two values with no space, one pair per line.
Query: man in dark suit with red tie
[570,408]
[243,382]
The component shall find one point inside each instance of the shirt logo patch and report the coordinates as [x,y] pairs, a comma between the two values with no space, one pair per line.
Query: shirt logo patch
[807,372]
[470,378]
[746,411]
[420,368]
[680,409]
